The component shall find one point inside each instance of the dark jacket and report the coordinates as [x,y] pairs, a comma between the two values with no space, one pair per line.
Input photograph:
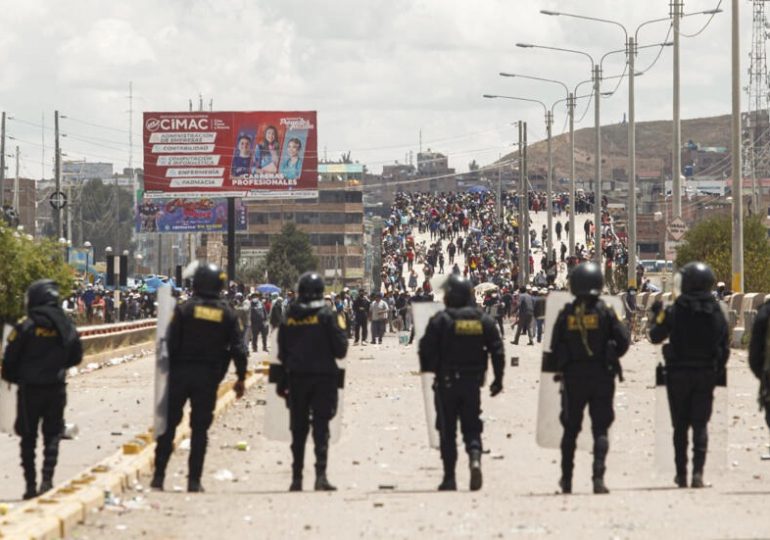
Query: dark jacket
[758,350]
[205,332]
[697,330]
[310,338]
[588,337]
[461,340]
[41,348]
[361,307]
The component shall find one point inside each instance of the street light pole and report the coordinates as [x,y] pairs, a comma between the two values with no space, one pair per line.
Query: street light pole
[676,143]
[737,247]
[549,189]
[631,228]
[598,167]
[571,107]
[522,206]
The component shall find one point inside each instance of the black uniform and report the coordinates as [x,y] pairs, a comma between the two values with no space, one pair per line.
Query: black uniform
[204,334]
[588,340]
[456,347]
[759,357]
[310,338]
[361,312]
[696,356]
[41,348]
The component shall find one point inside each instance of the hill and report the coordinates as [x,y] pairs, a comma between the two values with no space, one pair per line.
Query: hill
[653,146]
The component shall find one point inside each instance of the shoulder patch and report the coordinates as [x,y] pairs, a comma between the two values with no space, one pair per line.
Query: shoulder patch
[12,335]
[661,317]
[206,313]
[341,321]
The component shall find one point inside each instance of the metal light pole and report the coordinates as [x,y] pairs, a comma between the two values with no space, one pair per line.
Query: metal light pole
[676,142]
[737,247]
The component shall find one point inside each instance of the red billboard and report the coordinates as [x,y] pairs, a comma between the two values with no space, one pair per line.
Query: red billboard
[266,154]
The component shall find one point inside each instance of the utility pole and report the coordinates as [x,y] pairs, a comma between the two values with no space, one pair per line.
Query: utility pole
[522,204]
[571,106]
[16,186]
[57,174]
[117,215]
[549,189]
[598,168]
[2,161]
[526,209]
[500,215]
[737,239]
[631,228]
[676,143]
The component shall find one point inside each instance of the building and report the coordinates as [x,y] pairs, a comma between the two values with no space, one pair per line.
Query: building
[334,223]
[27,208]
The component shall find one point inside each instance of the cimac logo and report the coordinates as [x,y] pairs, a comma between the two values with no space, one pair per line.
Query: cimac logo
[177,124]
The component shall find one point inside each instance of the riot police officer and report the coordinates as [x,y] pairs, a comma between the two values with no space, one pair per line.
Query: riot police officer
[588,341]
[695,358]
[204,334]
[41,347]
[310,339]
[456,347]
[759,357]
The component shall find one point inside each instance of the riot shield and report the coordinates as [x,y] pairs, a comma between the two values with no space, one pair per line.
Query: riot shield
[549,429]
[716,459]
[7,392]
[166,305]
[421,314]
[277,418]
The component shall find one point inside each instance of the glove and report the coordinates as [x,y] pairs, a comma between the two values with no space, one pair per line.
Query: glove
[656,307]
[282,389]
[239,387]
[495,388]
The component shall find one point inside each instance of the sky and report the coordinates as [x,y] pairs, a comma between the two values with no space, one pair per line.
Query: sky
[378,72]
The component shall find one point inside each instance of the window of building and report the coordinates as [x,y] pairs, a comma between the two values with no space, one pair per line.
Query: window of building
[353,196]
[254,240]
[328,239]
[306,218]
[354,239]
[288,216]
[354,218]
[258,218]
[331,196]
[355,262]
[332,218]
[275,216]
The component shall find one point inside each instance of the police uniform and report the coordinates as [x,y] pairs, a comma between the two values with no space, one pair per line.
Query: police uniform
[41,348]
[759,356]
[310,339]
[202,337]
[695,357]
[456,346]
[588,340]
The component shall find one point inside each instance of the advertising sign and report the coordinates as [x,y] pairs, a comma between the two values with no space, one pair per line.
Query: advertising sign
[187,215]
[231,154]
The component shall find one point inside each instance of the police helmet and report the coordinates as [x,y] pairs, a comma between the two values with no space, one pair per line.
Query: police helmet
[208,280]
[43,292]
[697,277]
[458,291]
[586,280]
[310,287]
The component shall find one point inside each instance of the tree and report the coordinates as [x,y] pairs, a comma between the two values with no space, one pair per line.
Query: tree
[98,212]
[710,241]
[473,166]
[290,255]
[25,260]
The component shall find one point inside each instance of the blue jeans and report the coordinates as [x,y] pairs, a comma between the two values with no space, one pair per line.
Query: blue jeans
[539,323]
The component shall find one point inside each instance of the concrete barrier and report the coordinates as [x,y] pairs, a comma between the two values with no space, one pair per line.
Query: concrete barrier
[642,299]
[55,516]
[110,337]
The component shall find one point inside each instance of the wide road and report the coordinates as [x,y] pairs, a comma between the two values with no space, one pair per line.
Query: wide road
[387,475]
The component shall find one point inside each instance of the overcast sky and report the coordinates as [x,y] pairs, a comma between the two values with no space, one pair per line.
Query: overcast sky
[377,71]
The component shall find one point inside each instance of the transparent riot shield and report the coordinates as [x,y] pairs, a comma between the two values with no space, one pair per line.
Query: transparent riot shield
[549,429]
[421,314]
[7,392]
[166,304]
[277,418]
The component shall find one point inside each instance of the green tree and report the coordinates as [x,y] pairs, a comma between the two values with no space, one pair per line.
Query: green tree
[710,241]
[25,260]
[98,213]
[290,255]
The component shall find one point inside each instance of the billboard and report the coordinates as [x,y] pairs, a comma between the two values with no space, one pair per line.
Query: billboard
[182,215]
[231,154]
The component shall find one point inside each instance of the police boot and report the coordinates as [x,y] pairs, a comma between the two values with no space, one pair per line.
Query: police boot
[475,466]
[296,480]
[601,447]
[157,481]
[697,480]
[448,483]
[699,449]
[567,466]
[321,456]
[50,457]
[29,479]
[194,485]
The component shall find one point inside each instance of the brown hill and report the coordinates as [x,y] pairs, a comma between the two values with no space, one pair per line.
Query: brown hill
[653,147]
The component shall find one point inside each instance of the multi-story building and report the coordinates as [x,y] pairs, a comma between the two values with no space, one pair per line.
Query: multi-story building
[27,209]
[334,223]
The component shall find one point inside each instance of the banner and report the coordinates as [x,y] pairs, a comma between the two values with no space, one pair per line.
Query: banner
[231,154]
[187,215]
